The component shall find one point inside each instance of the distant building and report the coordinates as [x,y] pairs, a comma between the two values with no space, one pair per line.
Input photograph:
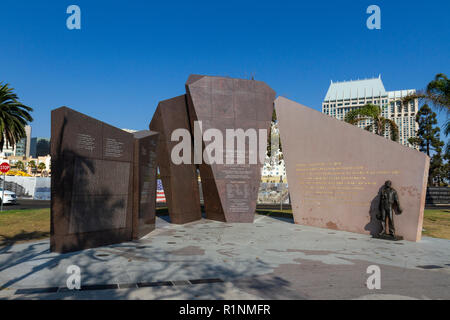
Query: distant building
[26,161]
[345,96]
[46,160]
[39,147]
[23,146]
[7,151]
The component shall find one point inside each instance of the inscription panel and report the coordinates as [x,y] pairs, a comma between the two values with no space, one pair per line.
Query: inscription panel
[91,203]
[230,190]
[330,184]
[86,142]
[179,181]
[145,181]
[113,148]
[335,171]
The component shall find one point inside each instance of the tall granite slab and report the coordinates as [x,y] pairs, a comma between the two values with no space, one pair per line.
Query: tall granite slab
[180,181]
[91,183]
[144,194]
[229,190]
[335,171]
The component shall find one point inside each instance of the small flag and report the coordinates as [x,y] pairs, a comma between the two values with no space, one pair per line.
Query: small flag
[160,196]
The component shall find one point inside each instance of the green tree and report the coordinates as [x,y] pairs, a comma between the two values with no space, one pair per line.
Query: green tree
[447,132]
[437,93]
[41,166]
[428,140]
[14,116]
[438,170]
[446,170]
[20,165]
[32,165]
[427,137]
[379,123]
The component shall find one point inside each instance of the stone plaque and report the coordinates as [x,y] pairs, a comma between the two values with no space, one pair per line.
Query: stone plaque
[92,182]
[89,195]
[179,180]
[144,206]
[230,190]
[335,171]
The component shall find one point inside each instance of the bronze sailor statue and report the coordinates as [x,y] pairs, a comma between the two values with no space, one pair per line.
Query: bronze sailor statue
[389,204]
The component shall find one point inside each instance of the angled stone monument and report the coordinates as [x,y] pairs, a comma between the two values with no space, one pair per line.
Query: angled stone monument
[92,182]
[335,171]
[179,181]
[144,179]
[229,190]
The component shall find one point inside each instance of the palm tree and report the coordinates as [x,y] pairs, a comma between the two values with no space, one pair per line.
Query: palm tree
[14,116]
[379,123]
[437,93]
[447,132]
[32,164]
[41,166]
[20,165]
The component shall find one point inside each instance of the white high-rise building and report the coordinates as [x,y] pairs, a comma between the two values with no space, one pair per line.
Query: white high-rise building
[23,146]
[345,96]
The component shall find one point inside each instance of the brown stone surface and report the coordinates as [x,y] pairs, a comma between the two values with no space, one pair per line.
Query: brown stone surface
[92,182]
[229,190]
[335,171]
[180,182]
[145,148]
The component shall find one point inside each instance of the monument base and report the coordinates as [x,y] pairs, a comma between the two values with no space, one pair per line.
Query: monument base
[388,237]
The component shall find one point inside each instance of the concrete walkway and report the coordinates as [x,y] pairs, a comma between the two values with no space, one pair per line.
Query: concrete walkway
[270,259]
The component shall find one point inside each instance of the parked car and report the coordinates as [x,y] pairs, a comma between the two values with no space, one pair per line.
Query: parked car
[10,197]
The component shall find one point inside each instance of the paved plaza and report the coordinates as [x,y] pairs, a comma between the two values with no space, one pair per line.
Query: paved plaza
[273,258]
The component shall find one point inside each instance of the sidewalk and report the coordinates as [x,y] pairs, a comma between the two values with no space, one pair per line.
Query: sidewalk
[269,259]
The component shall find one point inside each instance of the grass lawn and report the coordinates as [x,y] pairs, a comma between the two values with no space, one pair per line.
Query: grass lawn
[26,225]
[436,223]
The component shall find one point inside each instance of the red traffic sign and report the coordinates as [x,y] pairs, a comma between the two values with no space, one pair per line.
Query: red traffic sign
[4,167]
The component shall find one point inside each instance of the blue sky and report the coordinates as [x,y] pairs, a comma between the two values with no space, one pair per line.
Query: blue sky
[131,54]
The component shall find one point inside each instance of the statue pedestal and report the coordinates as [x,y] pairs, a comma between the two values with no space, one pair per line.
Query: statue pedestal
[388,237]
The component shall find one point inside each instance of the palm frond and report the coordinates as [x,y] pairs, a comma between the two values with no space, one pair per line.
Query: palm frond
[447,127]
[393,128]
[369,127]
[14,116]
[436,93]
[369,111]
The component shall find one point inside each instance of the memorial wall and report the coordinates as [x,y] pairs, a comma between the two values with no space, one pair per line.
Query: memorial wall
[230,190]
[92,182]
[180,181]
[144,179]
[104,178]
[335,171]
